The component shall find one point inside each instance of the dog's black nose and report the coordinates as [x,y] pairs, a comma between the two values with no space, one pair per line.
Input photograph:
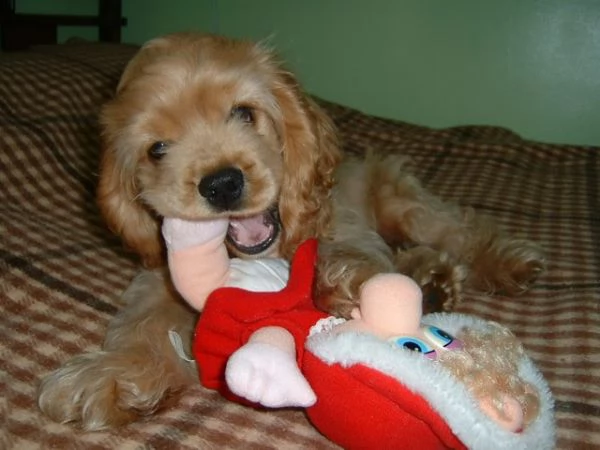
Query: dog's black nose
[223,189]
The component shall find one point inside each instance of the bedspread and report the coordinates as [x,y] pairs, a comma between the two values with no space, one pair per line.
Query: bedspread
[61,271]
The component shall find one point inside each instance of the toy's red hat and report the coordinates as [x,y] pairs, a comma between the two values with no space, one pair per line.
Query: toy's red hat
[361,408]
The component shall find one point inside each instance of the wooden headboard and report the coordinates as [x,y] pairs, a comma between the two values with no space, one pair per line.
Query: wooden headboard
[19,31]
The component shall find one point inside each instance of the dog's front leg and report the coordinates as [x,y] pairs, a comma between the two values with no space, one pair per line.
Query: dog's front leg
[137,367]
[344,264]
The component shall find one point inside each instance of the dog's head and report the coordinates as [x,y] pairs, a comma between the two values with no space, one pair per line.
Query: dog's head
[202,127]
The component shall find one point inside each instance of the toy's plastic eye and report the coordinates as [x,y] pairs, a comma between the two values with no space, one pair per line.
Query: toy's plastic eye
[414,344]
[440,337]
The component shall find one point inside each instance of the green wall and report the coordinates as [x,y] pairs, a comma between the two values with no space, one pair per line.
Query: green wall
[531,65]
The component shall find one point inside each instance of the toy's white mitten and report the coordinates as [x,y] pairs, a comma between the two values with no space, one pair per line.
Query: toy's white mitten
[266,374]
[198,260]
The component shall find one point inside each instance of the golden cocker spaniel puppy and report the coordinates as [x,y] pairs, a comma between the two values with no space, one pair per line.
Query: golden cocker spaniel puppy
[203,126]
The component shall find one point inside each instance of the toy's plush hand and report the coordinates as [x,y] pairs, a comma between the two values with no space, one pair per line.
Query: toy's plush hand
[265,371]
[265,374]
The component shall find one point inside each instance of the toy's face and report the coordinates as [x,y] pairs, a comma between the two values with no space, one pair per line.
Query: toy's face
[428,340]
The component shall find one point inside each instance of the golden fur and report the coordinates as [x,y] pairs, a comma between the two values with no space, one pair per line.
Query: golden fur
[370,215]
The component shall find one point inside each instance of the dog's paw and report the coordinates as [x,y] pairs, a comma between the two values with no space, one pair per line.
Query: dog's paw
[441,280]
[100,390]
[509,267]
[524,263]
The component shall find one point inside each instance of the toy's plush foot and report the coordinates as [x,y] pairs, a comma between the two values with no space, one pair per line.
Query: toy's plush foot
[266,374]
[180,234]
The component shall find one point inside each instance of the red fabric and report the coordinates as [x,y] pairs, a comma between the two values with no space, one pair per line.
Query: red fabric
[361,408]
[357,407]
[231,315]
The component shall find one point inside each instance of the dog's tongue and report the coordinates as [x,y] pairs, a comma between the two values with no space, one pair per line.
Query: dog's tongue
[250,231]
[253,234]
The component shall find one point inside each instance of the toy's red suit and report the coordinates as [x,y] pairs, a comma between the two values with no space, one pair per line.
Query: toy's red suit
[232,315]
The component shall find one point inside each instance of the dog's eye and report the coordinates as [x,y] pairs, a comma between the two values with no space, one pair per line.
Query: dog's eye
[158,149]
[243,113]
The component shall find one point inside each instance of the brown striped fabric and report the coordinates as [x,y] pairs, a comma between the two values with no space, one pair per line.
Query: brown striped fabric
[61,272]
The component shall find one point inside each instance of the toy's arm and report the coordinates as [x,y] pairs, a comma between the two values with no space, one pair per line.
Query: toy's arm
[265,371]
[198,260]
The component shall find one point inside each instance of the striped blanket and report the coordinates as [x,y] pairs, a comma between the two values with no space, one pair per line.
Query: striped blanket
[61,271]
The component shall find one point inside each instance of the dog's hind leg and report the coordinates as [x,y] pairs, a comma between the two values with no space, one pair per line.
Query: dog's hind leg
[461,246]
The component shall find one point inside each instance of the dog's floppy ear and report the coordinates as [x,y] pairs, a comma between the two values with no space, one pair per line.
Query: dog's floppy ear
[117,195]
[124,214]
[310,153]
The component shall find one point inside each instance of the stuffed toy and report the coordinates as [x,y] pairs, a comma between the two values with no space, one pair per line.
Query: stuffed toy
[249,340]
[384,378]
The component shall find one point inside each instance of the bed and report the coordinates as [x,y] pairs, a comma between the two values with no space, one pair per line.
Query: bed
[61,271]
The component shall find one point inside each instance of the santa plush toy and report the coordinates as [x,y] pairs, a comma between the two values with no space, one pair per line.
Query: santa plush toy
[383,378]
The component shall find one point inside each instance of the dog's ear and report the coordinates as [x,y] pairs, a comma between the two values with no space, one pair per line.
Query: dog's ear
[310,153]
[117,195]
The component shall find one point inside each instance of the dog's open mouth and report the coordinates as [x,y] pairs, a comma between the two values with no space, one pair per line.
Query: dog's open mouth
[254,234]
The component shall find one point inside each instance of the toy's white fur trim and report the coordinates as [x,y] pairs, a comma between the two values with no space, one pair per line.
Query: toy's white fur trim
[444,393]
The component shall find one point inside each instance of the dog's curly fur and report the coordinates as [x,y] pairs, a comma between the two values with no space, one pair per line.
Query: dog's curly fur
[189,106]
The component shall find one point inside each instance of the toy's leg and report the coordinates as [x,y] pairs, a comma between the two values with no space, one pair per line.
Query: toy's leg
[198,260]
[265,371]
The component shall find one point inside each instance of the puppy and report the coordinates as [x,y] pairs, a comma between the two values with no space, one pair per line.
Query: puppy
[202,127]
